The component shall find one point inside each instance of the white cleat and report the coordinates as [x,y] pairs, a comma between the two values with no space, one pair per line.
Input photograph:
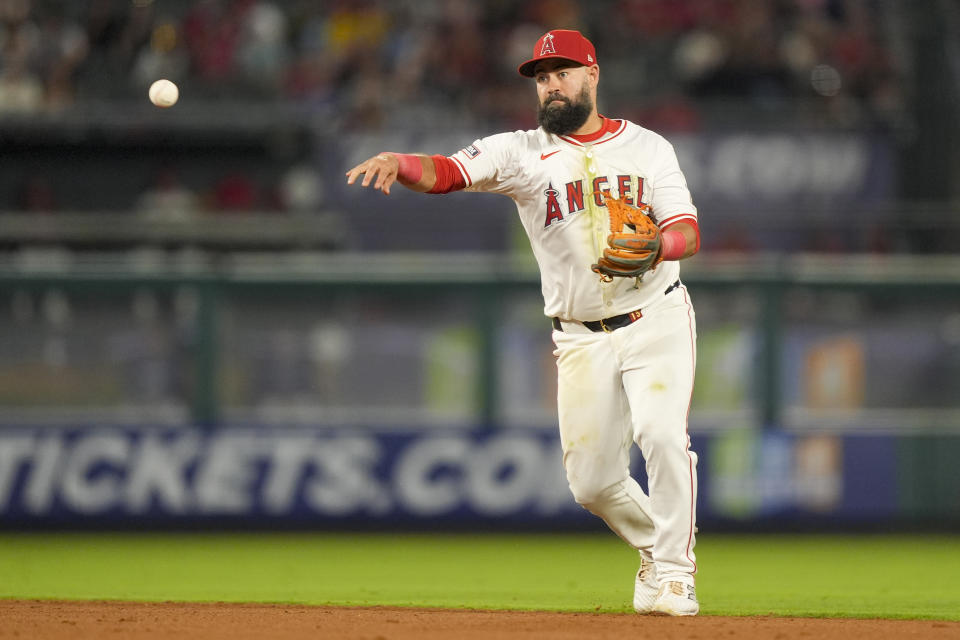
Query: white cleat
[676,599]
[645,588]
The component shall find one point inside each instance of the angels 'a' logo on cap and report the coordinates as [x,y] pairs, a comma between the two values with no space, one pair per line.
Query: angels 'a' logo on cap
[547,45]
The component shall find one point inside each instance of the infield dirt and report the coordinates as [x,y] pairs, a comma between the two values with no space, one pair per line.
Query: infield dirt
[76,620]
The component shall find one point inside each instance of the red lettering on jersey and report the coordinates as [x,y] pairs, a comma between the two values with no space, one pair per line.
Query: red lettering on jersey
[554,212]
[599,186]
[623,189]
[575,196]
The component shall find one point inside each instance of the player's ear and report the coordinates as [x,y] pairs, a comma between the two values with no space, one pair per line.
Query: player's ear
[593,72]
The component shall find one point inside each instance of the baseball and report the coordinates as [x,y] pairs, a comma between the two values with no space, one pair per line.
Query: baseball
[164,93]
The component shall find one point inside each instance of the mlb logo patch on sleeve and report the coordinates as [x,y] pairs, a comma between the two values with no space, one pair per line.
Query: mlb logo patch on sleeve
[471,151]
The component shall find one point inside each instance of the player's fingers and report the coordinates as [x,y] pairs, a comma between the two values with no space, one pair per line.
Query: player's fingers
[384,180]
[354,173]
[387,181]
[379,167]
[364,168]
[368,176]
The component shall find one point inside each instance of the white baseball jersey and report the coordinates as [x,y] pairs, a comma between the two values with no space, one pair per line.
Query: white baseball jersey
[557,182]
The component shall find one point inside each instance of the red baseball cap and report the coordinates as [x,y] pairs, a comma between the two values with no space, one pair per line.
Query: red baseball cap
[563,44]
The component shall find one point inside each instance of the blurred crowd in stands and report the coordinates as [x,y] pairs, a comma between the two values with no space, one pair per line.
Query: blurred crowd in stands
[379,66]
[378,63]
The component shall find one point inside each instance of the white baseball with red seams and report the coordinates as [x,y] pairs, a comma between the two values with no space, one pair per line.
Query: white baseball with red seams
[633,384]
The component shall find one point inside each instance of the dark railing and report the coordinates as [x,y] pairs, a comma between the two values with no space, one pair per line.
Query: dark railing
[486,281]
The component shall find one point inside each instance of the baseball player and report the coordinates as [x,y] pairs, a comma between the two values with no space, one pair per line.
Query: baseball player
[609,216]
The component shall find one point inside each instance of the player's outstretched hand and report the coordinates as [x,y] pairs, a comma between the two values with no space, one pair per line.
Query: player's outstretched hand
[381,169]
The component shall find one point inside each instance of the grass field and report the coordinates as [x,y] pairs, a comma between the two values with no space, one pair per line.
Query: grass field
[823,576]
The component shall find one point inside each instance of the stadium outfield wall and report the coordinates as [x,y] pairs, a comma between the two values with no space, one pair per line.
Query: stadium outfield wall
[335,393]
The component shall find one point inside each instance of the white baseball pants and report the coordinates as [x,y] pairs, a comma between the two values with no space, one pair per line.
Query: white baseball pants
[634,385]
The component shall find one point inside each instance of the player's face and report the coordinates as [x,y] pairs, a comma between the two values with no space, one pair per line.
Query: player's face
[565,96]
[558,79]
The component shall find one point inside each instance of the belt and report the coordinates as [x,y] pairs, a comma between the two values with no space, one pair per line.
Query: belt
[616,322]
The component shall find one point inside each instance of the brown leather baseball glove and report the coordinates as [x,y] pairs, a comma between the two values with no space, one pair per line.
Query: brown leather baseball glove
[631,252]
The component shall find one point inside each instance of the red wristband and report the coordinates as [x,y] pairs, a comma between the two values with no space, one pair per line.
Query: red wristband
[672,245]
[410,169]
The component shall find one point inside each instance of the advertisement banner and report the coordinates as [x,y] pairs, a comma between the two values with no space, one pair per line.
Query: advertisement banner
[434,478]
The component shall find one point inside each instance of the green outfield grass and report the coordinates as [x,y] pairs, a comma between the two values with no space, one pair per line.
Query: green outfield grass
[829,576]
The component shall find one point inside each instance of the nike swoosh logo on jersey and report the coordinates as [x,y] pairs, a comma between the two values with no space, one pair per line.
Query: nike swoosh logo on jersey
[544,156]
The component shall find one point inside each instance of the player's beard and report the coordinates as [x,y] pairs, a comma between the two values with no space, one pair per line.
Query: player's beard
[568,117]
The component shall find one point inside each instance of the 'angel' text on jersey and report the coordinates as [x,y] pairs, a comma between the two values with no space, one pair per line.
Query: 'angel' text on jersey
[573,194]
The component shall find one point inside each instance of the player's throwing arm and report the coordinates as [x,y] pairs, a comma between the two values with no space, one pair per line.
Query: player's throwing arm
[384,169]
